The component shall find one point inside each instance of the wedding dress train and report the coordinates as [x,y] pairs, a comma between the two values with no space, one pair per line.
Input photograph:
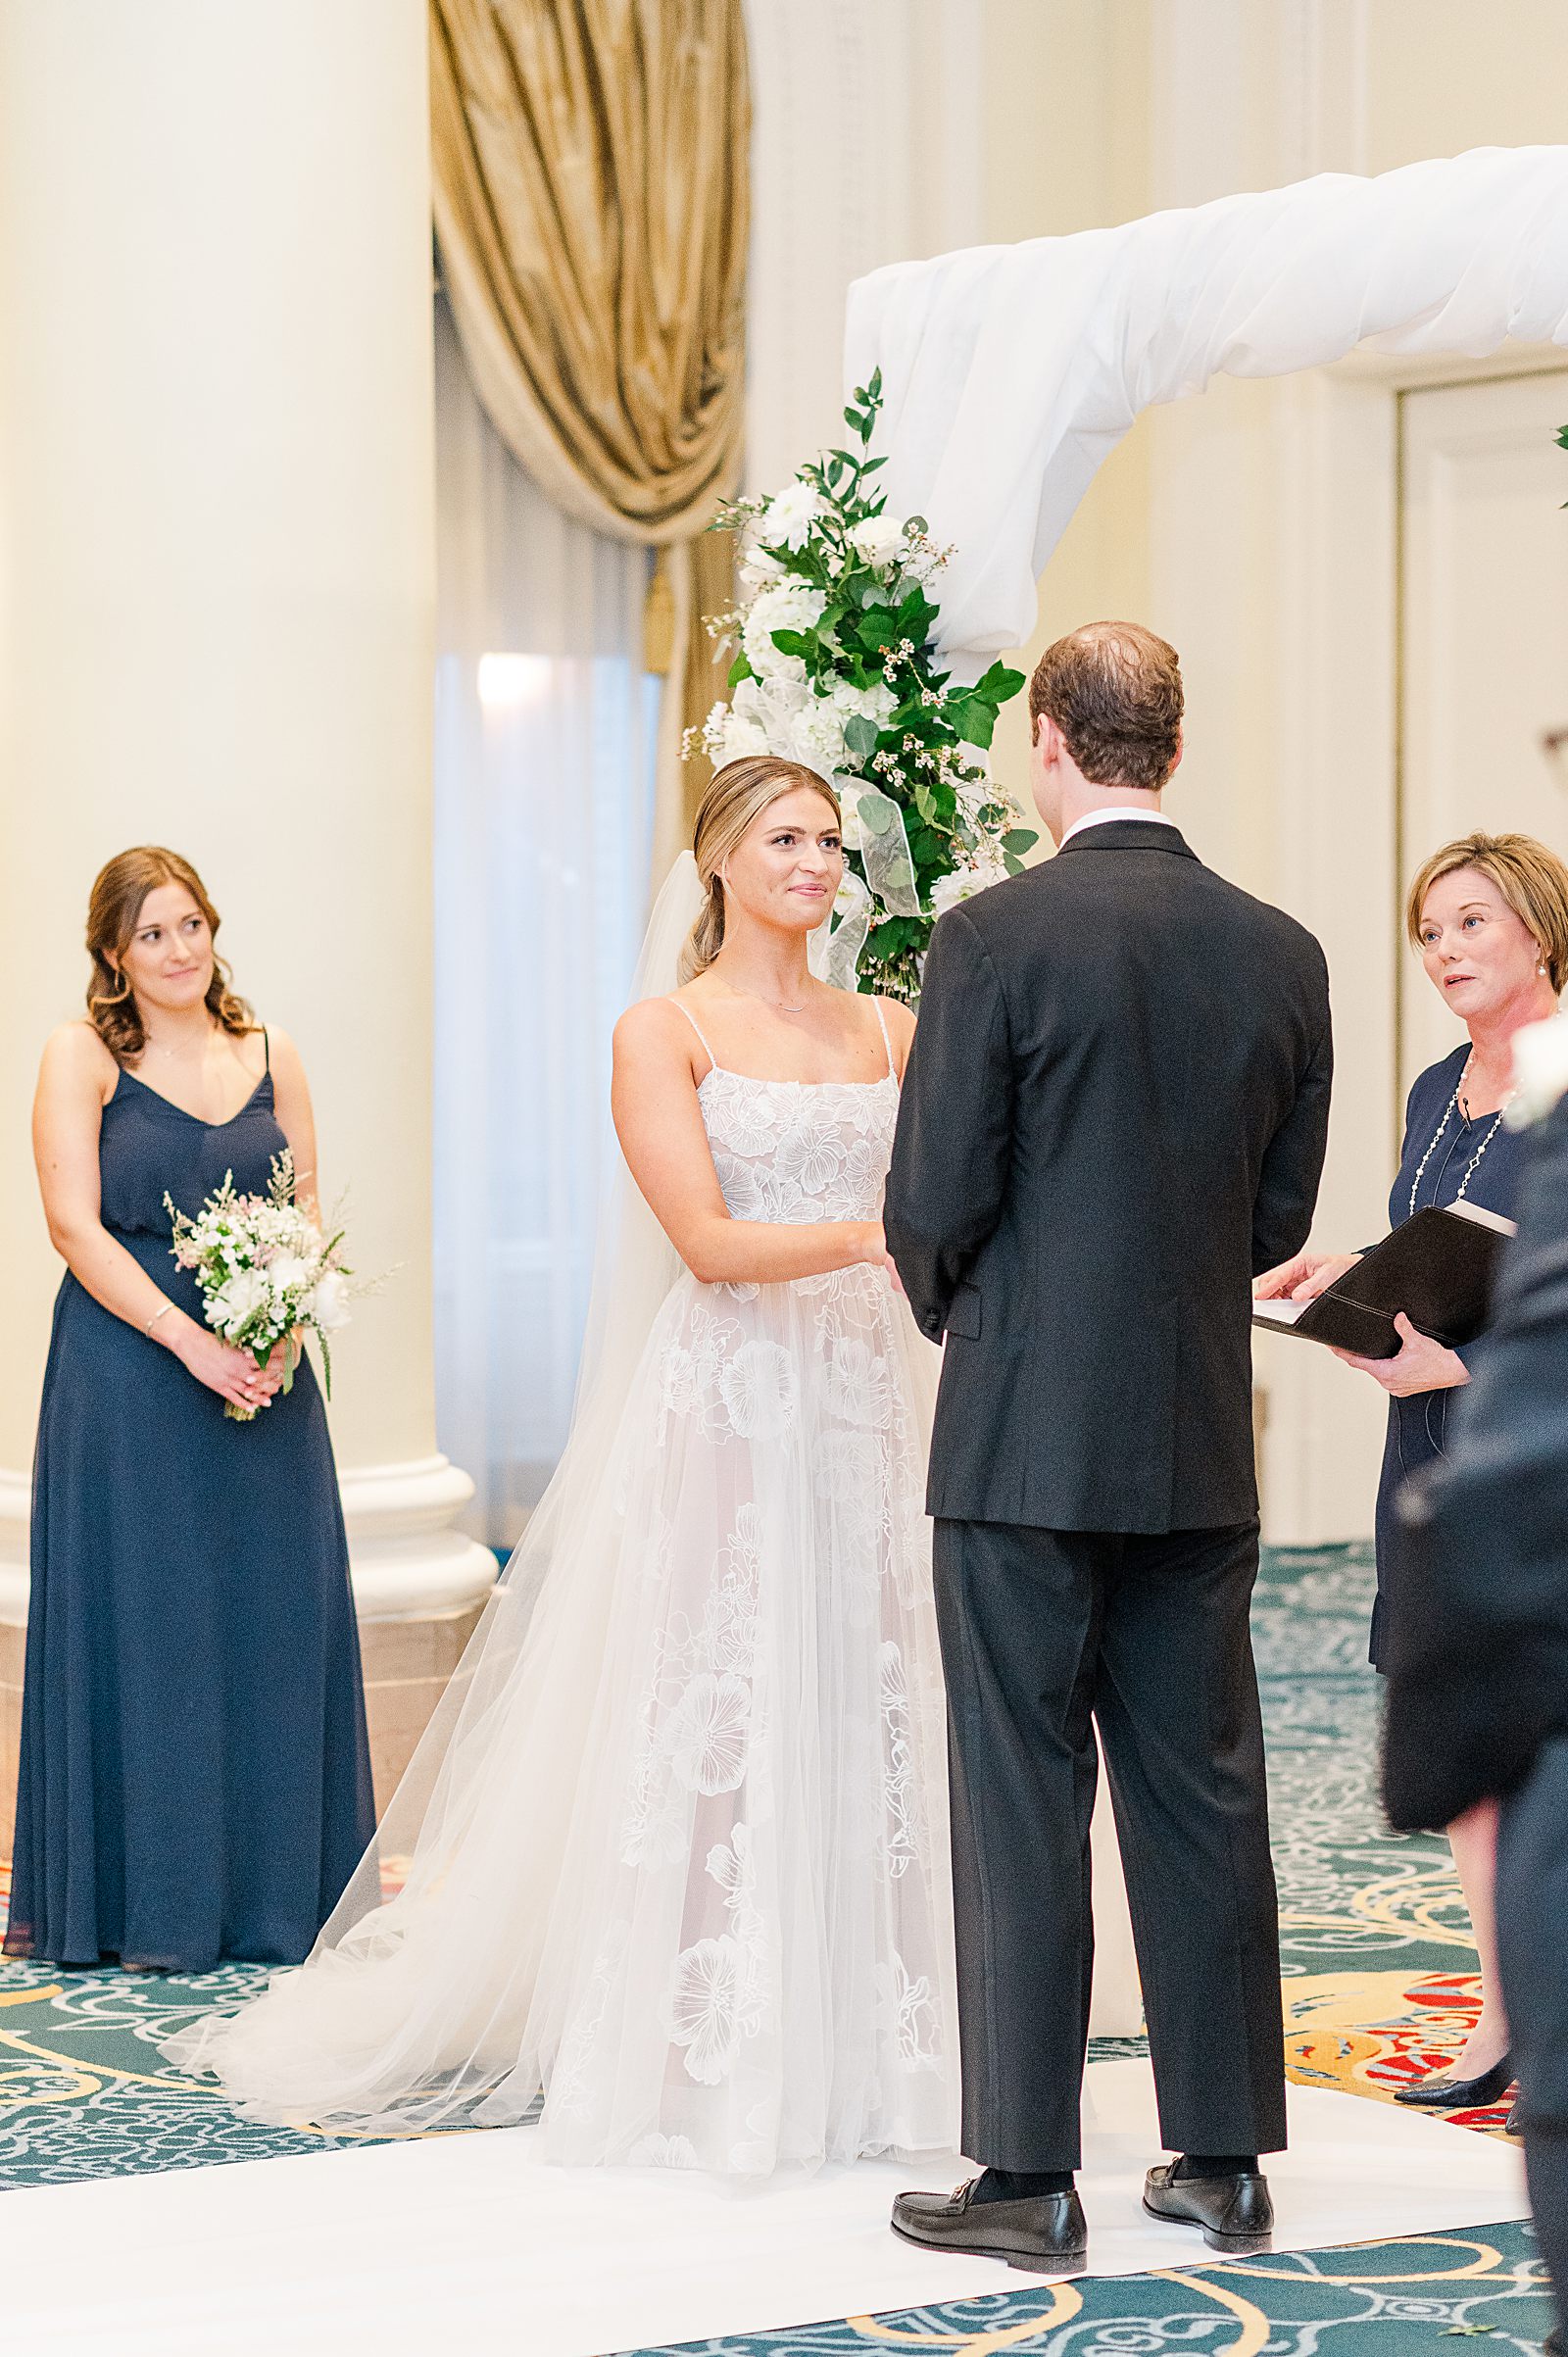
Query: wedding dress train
[678,1834]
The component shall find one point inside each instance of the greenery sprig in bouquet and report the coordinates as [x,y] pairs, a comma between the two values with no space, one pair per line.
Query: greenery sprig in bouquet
[837,668]
[264,1271]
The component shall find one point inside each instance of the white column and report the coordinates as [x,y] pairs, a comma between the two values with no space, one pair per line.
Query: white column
[217,572]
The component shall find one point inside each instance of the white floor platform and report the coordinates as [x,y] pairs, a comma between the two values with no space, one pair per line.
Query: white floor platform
[469,2243]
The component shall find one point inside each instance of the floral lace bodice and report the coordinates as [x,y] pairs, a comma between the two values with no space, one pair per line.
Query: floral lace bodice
[795,1152]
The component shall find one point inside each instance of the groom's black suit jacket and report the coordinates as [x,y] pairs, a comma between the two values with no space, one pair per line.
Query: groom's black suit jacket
[1114,1117]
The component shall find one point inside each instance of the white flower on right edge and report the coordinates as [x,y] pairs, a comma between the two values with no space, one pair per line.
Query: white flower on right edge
[961,885]
[1540,1070]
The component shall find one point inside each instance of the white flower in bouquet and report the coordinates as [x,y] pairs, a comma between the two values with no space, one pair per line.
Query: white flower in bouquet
[789,605]
[266,1271]
[882,540]
[961,884]
[239,1297]
[787,519]
[287,1274]
[327,1306]
[757,567]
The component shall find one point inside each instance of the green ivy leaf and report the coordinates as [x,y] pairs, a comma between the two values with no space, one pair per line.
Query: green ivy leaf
[1019,839]
[878,628]
[996,684]
[740,669]
[797,642]
[974,720]
[860,736]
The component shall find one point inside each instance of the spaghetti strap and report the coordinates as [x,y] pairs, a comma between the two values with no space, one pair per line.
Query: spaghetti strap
[697,1027]
[267,1051]
[882,1025]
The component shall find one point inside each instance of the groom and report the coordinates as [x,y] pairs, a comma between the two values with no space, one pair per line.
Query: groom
[1114,1115]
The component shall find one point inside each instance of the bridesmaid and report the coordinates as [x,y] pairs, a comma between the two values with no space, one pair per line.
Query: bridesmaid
[1488,916]
[195,1778]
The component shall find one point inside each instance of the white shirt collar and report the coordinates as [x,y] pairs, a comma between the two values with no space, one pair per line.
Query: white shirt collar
[1103,818]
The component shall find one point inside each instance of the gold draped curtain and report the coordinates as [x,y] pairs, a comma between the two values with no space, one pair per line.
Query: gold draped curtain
[592,204]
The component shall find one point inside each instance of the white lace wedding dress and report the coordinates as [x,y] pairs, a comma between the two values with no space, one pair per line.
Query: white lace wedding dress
[679,1846]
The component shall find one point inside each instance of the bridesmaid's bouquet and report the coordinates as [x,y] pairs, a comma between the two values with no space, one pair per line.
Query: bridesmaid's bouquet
[264,1270]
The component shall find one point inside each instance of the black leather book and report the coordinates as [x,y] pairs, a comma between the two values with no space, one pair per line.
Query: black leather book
[1438,1268]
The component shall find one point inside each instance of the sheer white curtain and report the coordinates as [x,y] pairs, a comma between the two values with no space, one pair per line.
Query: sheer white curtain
[544,794]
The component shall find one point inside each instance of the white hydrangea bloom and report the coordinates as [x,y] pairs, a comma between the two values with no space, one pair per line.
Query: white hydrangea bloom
[791,604]
[875,703]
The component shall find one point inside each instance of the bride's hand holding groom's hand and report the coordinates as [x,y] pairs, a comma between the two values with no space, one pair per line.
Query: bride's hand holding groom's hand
[876,1253]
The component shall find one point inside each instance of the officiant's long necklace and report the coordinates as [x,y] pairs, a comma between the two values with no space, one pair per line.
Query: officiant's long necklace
[1420,1168]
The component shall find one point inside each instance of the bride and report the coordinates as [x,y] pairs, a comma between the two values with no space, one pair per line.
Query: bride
[676,1839]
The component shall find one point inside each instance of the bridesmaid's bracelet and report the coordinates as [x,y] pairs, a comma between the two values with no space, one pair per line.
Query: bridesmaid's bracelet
[156,1315]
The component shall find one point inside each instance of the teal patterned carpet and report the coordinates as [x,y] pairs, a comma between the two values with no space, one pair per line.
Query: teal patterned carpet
[1380,1985]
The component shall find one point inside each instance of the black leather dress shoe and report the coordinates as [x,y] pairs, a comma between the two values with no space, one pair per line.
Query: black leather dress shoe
[1235,2212]
[1045,2234]
[1440,2091]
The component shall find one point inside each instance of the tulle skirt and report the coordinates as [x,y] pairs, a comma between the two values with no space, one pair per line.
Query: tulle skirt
[678,1834]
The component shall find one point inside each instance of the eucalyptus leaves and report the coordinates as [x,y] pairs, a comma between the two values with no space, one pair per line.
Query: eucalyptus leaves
[836,669]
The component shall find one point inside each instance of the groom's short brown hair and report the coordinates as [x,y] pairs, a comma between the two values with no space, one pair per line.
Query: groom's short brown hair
[1114,690]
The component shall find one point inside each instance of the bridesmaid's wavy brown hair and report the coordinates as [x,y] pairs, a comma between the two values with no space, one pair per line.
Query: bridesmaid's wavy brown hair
[737,794]
[113,915]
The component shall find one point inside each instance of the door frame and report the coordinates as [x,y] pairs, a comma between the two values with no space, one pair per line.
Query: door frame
[1338,840]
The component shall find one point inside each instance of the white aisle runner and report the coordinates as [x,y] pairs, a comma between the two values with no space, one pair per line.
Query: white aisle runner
[468,2241]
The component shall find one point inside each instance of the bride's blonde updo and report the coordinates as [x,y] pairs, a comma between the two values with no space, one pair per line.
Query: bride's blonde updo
[737,794]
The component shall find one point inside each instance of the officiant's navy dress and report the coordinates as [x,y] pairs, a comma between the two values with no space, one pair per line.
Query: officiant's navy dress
[195,1777]
[1418,1425]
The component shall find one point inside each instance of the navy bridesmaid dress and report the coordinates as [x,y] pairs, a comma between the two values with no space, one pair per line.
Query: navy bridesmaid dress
[195,1778]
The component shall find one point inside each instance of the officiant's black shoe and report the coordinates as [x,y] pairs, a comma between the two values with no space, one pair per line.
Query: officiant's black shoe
[1234,2211]
[1440,2091]
[1045,2234]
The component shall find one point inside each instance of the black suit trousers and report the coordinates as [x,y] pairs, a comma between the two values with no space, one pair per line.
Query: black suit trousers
[1533,1957]
[1043,1635]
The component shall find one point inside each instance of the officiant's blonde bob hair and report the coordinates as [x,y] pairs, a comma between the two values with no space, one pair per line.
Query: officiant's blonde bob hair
[734,801]
[1532,879]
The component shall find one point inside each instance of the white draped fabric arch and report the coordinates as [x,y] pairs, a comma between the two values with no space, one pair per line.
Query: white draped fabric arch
[1009,372]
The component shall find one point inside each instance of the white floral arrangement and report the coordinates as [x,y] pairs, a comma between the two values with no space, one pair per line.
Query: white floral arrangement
[266,1271]
[836,667]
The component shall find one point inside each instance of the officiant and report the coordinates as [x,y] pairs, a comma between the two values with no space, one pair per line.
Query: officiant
[1487,916]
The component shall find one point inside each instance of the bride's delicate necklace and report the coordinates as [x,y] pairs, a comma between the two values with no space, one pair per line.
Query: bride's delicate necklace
[783,1005]
[1420,1168]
